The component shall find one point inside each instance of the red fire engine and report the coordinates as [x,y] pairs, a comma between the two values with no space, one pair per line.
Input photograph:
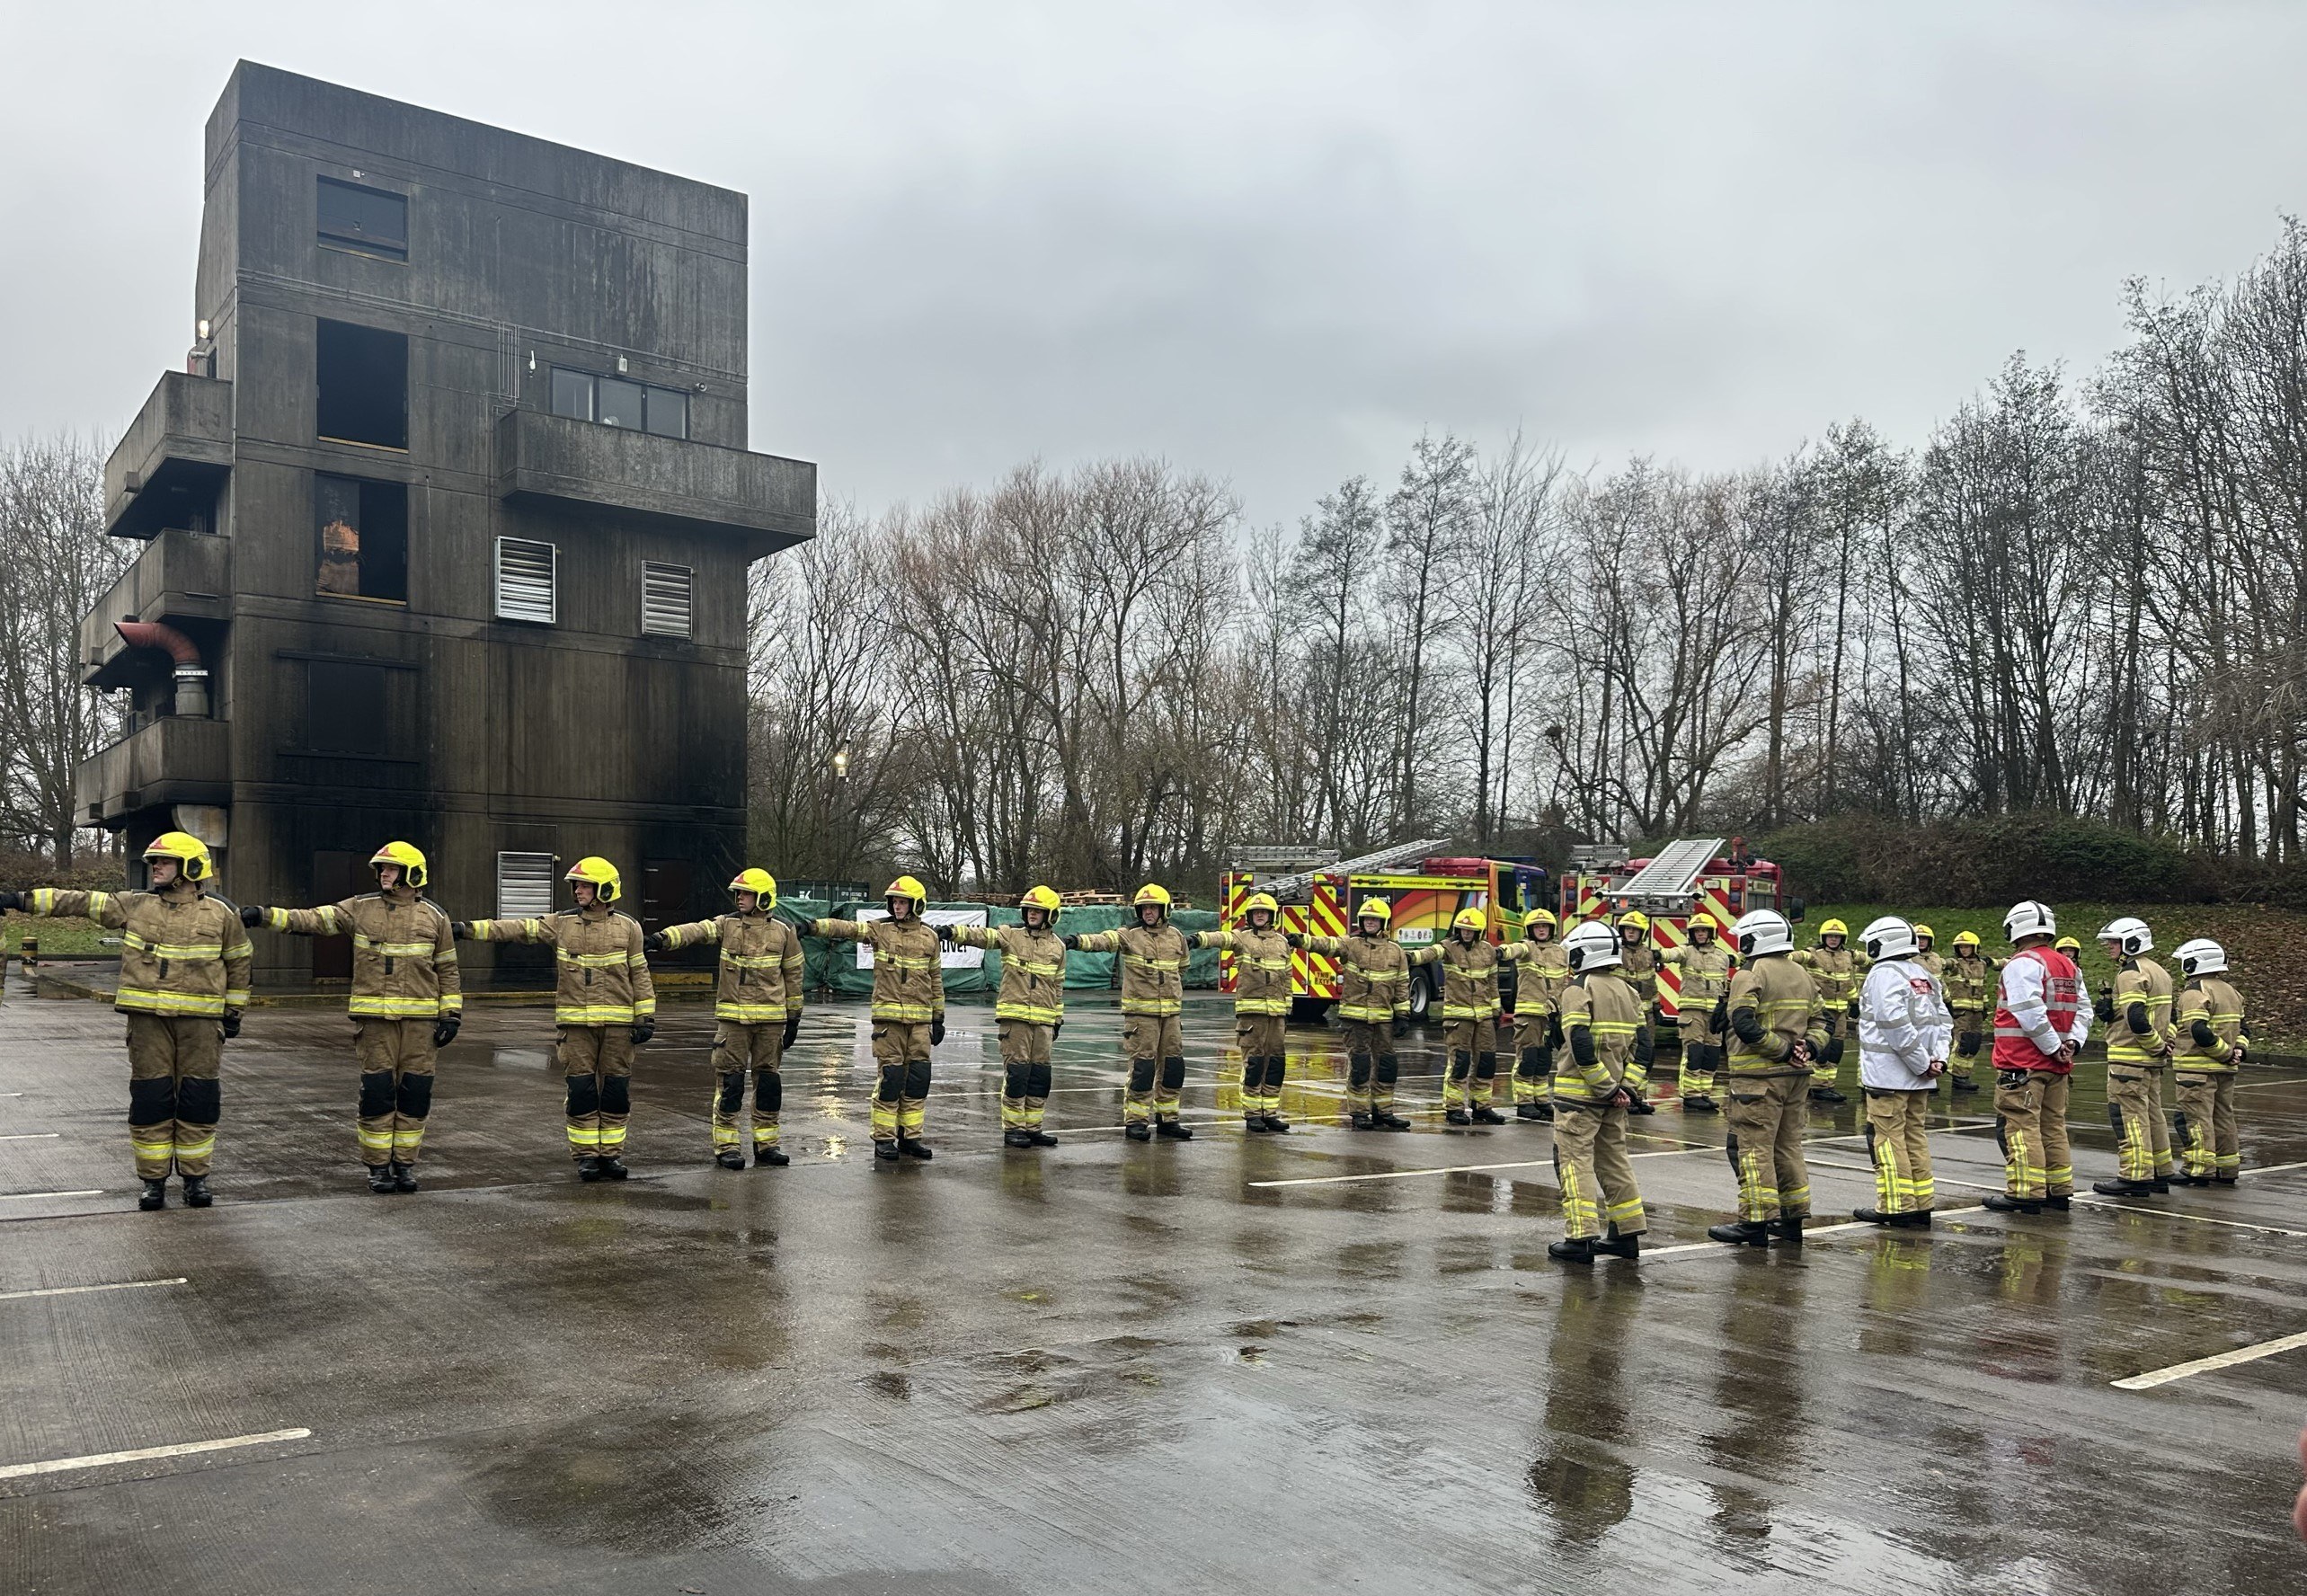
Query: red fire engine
[1688,874]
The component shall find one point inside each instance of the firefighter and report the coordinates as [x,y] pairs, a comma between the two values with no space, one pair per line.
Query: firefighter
[183,987]
[756,1012]
[1704,966]
[2209,1044]
[603,1005]
[1838,972]
[1469,1019]
[1905,1030]
[2042,1018]
[1153,996]
[406,1002]
[1608,1039]
[1776,1031]
[1373,1010]
[1538,1022]
[1029,1008]
[2137,1012]
[2071,948]
[1261,951]
[1967,978]
[1926,942]
[908,1012]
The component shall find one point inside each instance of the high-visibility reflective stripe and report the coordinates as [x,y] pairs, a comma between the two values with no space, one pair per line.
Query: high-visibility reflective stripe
[172,950]
[375,1141]
[395,950]
[197,1147]
[1156,1006]
[910,1013]
[609,961]
[751,1014]
[1047,970]
[598,1014]
[393,1008]
[1160,966]
[1262,1005]
[1028,1013]
[143,1000]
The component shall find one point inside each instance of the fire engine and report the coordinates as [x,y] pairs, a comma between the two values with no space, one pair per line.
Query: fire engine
[1688,874]
[1425,889]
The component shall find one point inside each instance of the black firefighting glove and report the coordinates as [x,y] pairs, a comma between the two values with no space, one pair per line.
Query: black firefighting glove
[1636,1104]
[444,1029]
[654,943]
[945,933]
[792,1031]
[9,901]
[2104,1007]
[232,1024]
[937,1032]
[1055,1029]
[1852,1008]
[643,1030]
[1553,1030]
[252,915]
[1401,1026]
[462,930]
[1072,942]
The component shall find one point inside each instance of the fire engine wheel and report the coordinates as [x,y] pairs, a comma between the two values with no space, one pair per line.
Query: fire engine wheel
[1421,996]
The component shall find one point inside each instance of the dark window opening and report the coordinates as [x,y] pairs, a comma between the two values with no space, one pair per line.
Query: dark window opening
[364,538]
[347,709]
[620,401]
[363,374]
[364,221]
[336,876]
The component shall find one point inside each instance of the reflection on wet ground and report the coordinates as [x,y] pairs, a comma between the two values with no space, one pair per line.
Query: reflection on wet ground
[1319,1360]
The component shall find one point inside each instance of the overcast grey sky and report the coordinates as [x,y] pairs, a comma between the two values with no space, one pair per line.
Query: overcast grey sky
[1267,241]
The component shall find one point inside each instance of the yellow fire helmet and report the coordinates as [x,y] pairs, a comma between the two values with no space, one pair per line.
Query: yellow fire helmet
[1373,908]
[1265,901]
[759,881]
[1471,919]
[1154,893]
[601,875]
[407,856]
[2069,946]
[1923,933]
[1706,922]
[1539,917]
[907,887]
[190,853]
[1044,899]
[1834,929]
[1636,918]
[1963,939]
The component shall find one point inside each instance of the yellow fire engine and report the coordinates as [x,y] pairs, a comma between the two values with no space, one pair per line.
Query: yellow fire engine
[1685,876]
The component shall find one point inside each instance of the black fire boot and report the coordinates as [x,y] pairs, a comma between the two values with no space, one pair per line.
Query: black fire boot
[1138,1131]
[196,1192]
[770,1153]
[886,1151]
[1487,1115]
[1016,1138]
[730,1158]
[2162,1184]
[1963,1087]
[1578,1251]
[589,1169]
[913,1148]
[1171,1130]
[156,1195]
[1874,1216]
[1388,1120]
[1786,1230]
[1535,1113]
[404,1178]
[1752,1233]
[2179,1177]
[1916,1218]
[1700,1105]
[2119,1187]
[380,1177]
[1619,1247]
[2063,1203]
[1277,1124]
[1456,1116]
[1826,1094]
[1361,1121]
[1254,1123]
[612,1167]
[1039,1137]
[2004,1204]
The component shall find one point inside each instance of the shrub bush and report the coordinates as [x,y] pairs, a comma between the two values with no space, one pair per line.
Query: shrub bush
[1985,862]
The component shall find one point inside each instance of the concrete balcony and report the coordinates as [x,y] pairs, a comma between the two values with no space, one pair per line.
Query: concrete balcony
[769,502]
[180,576]
[174,759]
[175,454]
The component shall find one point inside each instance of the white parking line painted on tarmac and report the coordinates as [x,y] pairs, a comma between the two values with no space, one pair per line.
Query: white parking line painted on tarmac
[146,1454]
[77,1290]
[2272,1169]
[33,1136]
[2169,1213]
[1726,1248]
[2180,1371]
[33,1196]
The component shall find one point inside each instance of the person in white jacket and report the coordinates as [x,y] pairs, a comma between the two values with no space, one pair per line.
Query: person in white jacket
[1906,1028]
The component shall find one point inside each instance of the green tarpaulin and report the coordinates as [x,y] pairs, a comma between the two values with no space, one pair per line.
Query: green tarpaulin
[835,964]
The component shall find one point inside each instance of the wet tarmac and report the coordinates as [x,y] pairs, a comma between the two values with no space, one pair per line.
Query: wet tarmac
[1327,1361]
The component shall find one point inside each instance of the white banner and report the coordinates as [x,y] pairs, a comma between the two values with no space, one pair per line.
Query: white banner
[951,958]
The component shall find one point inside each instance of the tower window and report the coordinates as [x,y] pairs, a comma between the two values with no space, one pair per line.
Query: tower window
[363,221]
[364,538]
[362,375]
